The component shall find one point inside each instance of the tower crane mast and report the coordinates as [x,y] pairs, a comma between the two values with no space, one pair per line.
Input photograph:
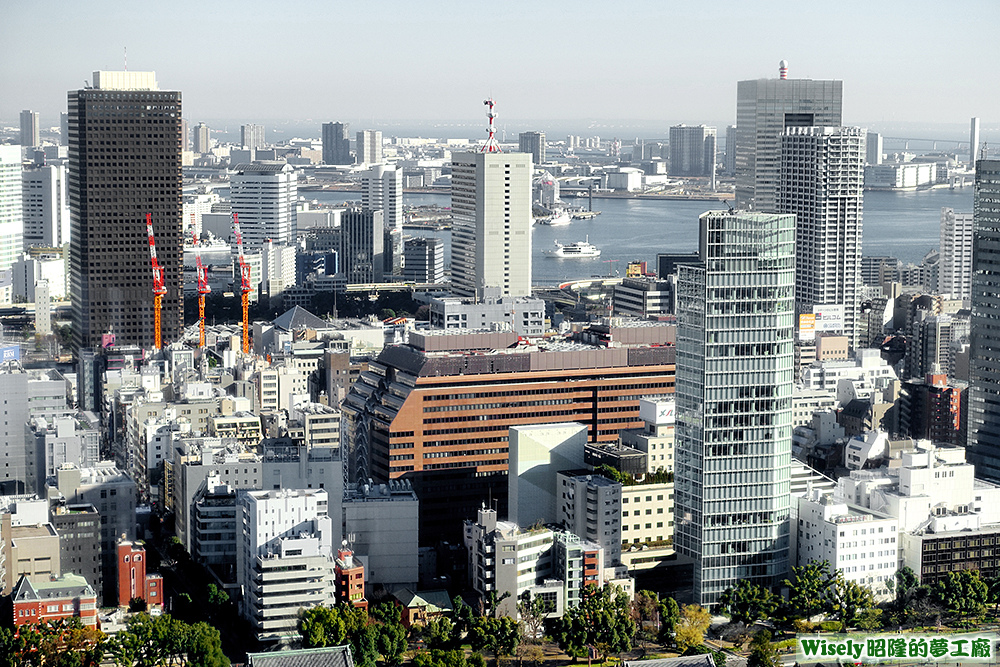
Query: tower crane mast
[203,289]
[244,284]
[159,286]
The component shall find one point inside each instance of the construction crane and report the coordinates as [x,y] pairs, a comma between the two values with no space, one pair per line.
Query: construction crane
[203,289]
[244,284]
[159,286]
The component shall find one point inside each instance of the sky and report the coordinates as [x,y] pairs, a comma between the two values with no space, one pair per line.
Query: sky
[582,64]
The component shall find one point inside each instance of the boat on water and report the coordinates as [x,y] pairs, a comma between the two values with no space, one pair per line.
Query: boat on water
[558,220]
[576,249]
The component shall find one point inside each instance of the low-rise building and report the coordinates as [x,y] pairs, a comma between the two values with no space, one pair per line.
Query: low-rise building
[134,582]
[524,316]
[645,297]
[69,596]
[350,579]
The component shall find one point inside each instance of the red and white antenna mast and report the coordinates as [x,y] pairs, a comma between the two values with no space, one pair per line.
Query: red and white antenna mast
[783,69]
[491,145]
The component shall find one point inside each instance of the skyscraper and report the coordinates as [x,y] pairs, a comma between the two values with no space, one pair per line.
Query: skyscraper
[424,261]
[764,108]
[29,128]
[336,144]
[534,143]
[734,389]
[263,195]
[692,150]
[202,138]
[491,223]
[252,136]
[46,206]
[822,172]
[955,277]
[984,328]
[973,139]
[874,148]
[124,162]
[11,215]
[382,188]
[361,245]
[369,146]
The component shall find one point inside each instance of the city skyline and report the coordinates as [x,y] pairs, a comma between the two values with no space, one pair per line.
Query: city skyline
[553,63]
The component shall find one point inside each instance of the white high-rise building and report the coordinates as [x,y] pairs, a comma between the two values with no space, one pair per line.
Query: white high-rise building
[383,189]
[202,138]
[369,146]
[874,148]
[822,183]
[491,228]
[764,108]
[11,217]
[252,136]
[285,557]
[955,277]
[362,245]
[45,207]
[263,195]
[734,402]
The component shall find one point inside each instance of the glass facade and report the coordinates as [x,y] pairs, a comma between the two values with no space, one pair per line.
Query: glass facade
[734,401]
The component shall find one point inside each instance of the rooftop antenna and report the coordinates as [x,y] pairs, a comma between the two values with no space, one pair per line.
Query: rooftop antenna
[126,58]
[783,69]
[491,145]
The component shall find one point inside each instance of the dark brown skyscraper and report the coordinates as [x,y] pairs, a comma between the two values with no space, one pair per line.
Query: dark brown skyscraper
[124,162]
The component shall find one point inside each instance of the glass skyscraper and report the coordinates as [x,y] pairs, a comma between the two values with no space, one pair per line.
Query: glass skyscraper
[734,401]
[984,357]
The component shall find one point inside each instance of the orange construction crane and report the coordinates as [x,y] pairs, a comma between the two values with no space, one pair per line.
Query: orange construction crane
[203,289]
[244,285]
[159,287]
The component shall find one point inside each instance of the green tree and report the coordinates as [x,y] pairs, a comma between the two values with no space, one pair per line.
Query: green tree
[321,626]
[870,619]
[762,652]
[203,647]
[136,604]
[533,611]
[603,619]
[747,602]
[670,614]
[391,641]
[849,598]
[491,603]
[808,590]
[464,616]
[499,636]
[692,625]
[963,594]
[441,633]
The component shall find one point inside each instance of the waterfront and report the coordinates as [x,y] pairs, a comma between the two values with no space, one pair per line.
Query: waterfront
[899,224]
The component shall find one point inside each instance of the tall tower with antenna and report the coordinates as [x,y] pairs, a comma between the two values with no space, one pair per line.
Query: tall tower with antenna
[491,145]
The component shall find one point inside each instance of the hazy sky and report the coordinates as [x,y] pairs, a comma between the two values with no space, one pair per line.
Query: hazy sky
[901,62]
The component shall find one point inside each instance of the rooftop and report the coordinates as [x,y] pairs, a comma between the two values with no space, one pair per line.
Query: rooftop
[66,586]
[332,656]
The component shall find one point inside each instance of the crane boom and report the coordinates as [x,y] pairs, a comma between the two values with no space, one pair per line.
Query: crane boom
[159,285]
[244,284]
[203,289]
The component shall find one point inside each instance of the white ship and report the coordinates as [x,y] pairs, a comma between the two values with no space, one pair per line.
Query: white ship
[558,220]
[577,249]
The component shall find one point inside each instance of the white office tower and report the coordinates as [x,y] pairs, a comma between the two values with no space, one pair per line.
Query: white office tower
[734,402]
[11,218]
[491,223]
[29,129]
[43,309]
[263,195]
[822,181]
[764,108]
[252,136]
[382,188]
[284,560]
[984,327]
[202,138]
[369,146]
[45,207]
[955,276]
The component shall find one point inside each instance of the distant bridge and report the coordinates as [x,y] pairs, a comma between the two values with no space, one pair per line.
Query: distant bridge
[904,143]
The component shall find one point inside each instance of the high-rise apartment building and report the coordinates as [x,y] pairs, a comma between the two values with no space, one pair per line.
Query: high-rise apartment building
[369,146]
[822,178]
[984,375]
[382,188]
[491,228]
[202,138]
[534,143]
[362,242]
[29,129]
[692,150]
[734,402]
[955,277]
[336,144]
[124,127]
[731,149]
[764,108]
[252,136]
[263,195]
[11,212]
[873,148]
[45,206]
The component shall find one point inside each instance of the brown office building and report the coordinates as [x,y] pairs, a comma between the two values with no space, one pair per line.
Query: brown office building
[437,411]
[124,162]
